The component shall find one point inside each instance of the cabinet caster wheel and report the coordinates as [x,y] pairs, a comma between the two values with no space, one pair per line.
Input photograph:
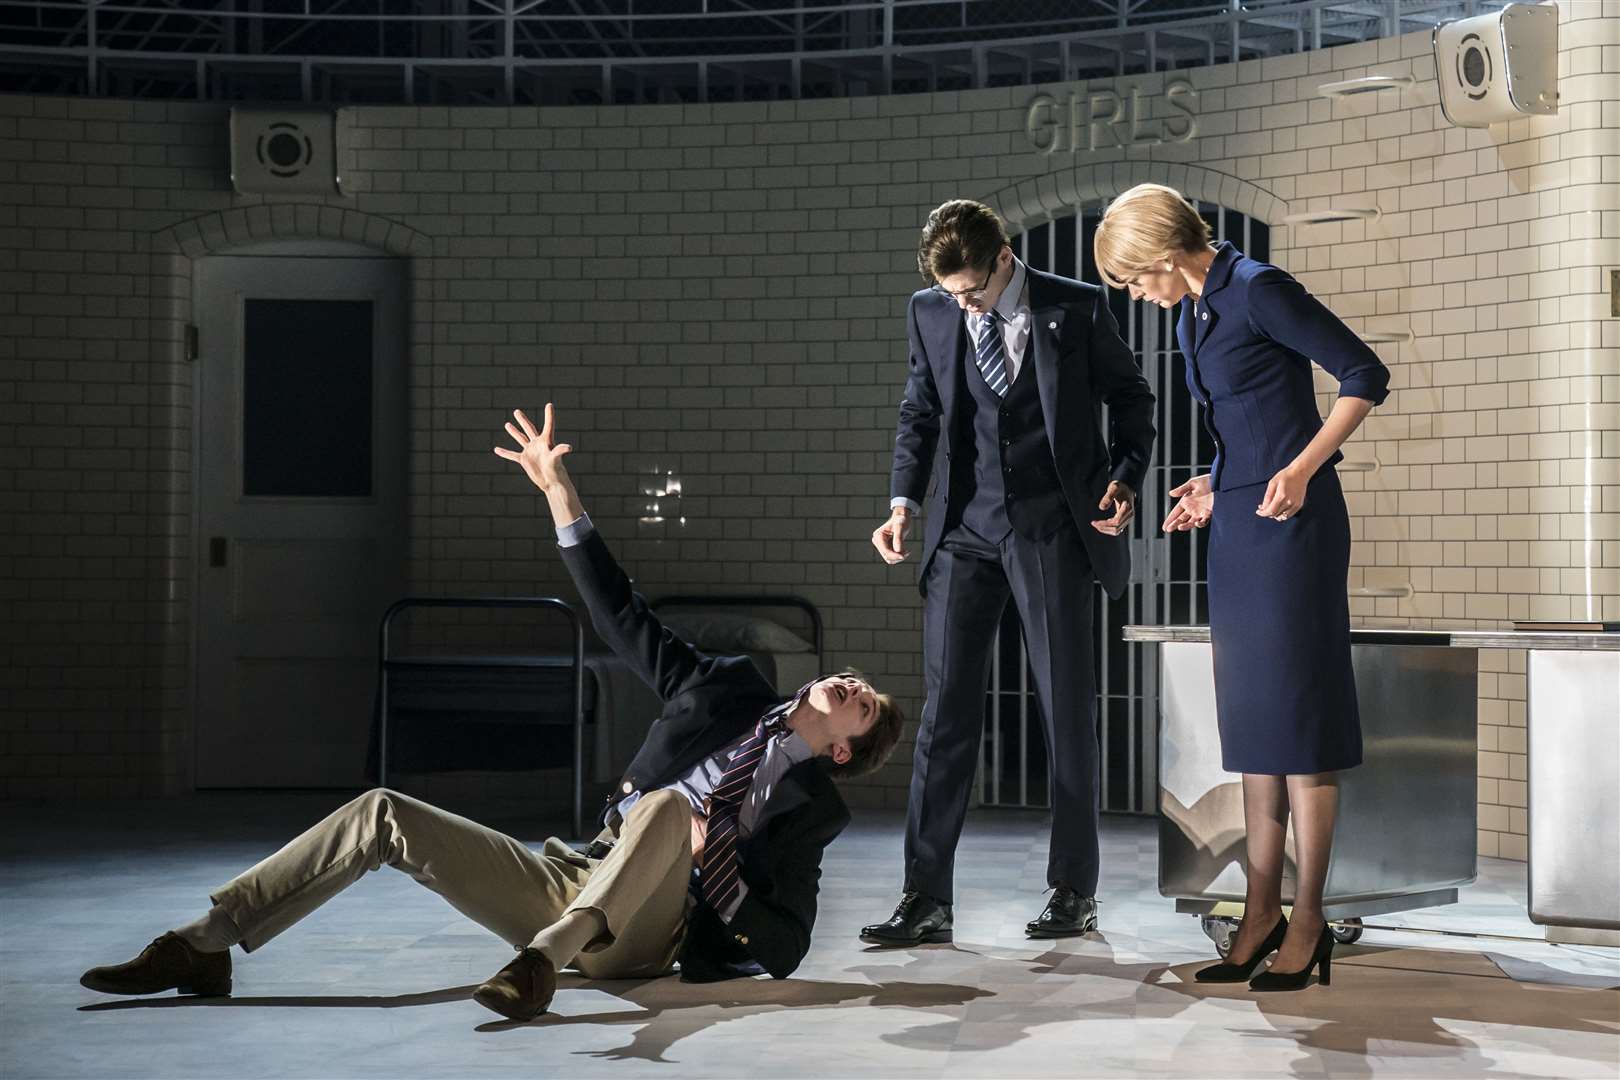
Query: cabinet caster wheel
[1348,932]
[1221,931]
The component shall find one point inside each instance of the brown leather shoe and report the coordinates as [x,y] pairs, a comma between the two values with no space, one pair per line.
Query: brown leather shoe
[169,963]
[521,990]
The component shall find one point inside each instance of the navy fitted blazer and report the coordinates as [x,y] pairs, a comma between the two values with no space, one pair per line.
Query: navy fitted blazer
[1079,364]
[1249,353]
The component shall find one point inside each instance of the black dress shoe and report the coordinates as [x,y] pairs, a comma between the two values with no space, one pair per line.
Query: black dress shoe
[917,920]
[1228,972]
[1067,914]
[1297,980]
[521,990]
[169,963]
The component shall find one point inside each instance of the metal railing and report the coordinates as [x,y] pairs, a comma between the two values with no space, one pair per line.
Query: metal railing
[557,51]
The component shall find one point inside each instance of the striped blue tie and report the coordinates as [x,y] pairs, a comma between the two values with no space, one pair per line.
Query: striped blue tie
[991,354]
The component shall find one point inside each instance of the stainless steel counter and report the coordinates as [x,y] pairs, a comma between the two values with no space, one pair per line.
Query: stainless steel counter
[1574,748]
[1539,639]
[1419,701]
[1417,689]
[1462,639]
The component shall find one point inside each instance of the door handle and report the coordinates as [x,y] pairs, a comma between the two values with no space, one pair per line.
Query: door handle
[216,551]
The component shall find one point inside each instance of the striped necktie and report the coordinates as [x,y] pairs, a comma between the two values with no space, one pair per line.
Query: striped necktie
[991,354]
[718,875]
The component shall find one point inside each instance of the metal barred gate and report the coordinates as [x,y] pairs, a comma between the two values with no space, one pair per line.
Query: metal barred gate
[1167,583]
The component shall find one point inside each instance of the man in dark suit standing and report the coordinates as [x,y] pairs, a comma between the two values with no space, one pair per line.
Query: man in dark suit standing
[711,853]
[1009,371]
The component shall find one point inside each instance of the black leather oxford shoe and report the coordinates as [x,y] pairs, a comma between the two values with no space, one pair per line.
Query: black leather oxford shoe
[1067,914]
[917,920]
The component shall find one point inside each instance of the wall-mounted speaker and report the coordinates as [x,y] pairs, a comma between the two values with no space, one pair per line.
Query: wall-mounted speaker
[1499,66]
[277,151]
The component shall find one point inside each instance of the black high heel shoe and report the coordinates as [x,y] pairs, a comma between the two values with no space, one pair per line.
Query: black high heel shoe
[1226,972]
[1297,980]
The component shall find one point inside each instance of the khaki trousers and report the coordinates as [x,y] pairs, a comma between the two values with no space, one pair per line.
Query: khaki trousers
[640,888]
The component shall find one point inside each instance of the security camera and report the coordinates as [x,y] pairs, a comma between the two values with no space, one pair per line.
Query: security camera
[1499,66]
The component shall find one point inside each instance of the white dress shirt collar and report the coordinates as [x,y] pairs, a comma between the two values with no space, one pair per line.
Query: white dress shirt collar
[1014,299]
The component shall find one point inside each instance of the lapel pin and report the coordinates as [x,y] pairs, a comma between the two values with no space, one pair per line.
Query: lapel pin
[1051,326]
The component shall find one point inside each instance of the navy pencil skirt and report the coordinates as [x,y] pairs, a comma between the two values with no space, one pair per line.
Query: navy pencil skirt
[1279,620]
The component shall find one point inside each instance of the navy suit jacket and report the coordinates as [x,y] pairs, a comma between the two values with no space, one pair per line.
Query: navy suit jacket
[709,702]
[1079,364]
[1249,356]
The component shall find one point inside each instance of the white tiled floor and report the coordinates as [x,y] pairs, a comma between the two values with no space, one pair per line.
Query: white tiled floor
[376,983]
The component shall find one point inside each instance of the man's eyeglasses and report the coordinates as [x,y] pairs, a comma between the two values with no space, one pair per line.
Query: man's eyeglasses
[966,293]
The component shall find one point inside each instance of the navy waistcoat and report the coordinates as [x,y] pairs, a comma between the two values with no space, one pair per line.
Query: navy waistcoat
[1014,483]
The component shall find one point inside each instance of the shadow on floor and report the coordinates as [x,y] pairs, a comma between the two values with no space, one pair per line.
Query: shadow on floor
[1426,1002]
[665,1011]
[986,997]
[1423,1001]
[398,1001]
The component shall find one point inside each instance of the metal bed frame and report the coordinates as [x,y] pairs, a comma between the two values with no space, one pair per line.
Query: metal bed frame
[757,600]
[388,663]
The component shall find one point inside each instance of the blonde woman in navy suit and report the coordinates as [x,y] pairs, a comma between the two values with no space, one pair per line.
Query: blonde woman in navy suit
[1279,548]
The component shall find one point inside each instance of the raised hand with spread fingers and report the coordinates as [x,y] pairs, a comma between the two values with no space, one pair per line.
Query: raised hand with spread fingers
[541,457]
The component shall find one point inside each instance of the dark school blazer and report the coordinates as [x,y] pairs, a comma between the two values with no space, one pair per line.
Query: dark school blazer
[709,702]
[1079,364]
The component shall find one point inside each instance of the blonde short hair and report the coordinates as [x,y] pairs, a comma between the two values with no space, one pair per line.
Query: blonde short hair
[1144,227]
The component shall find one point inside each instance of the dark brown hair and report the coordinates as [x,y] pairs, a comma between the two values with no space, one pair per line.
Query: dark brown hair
[869,752]
[960,235]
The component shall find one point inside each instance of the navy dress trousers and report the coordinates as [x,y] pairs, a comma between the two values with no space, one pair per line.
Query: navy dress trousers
[1019,457]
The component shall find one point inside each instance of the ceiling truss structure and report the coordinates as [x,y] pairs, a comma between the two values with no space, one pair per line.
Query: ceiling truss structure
[555,52]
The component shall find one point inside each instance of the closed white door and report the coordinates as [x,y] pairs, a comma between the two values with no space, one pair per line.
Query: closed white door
[300,481]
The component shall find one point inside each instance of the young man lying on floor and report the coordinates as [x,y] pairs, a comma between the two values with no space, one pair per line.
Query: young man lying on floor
[710,852]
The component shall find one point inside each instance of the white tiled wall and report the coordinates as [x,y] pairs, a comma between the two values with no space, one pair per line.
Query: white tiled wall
[718,291]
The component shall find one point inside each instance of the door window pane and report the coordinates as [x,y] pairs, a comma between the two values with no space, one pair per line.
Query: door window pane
[306,398]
